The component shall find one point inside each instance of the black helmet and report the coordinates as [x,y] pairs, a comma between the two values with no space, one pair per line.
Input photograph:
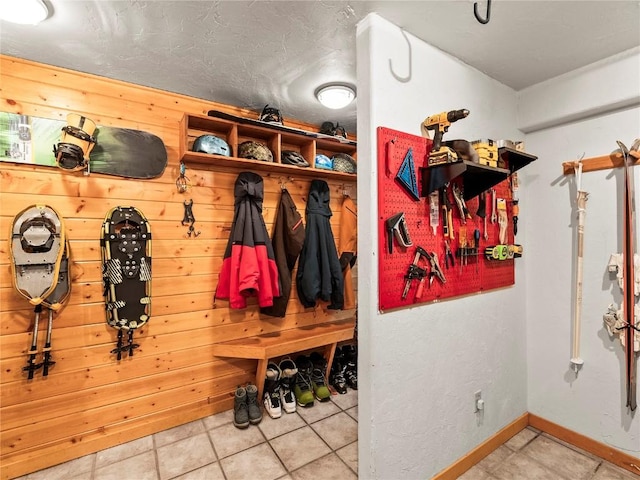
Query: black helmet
[343,162]
[255,151]
[291,157]
[271,115]
[211,144]
[338,130]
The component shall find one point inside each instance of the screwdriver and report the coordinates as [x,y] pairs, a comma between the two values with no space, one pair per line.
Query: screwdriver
[476,245]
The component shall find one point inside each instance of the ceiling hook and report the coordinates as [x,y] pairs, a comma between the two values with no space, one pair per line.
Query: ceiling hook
[484,21]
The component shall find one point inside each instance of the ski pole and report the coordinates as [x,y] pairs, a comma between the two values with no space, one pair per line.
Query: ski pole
[31,365]
[576,361]
[46,361]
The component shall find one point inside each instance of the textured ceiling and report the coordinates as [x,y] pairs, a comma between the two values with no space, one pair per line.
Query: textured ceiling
[250,53]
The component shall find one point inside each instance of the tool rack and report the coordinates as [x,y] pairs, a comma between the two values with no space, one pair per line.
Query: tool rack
[476,274]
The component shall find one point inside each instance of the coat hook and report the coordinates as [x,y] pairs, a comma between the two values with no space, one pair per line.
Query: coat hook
[484,21]
[396,76]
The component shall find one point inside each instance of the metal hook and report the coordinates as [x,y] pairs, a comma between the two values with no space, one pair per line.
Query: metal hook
[483,21]
[395,75]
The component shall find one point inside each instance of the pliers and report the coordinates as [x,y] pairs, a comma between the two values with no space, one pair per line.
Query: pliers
[448,256]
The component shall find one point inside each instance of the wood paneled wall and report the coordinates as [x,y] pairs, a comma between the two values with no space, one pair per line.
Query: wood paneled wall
[90,401]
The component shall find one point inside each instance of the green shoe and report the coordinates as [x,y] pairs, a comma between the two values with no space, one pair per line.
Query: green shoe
[320,389]
[303,389]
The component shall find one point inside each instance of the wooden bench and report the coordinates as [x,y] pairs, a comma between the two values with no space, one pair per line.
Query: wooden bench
[270,345]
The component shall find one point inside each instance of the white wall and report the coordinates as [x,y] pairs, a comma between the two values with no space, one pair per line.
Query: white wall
[593,402]
[419,367]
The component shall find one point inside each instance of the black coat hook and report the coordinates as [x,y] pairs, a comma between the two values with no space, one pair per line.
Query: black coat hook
[484,21]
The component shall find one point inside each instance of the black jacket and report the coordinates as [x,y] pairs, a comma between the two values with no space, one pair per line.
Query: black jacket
[319,274]
[287,240]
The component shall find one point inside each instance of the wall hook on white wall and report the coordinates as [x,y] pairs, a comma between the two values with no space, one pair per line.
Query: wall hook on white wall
[485,20]
[395,75]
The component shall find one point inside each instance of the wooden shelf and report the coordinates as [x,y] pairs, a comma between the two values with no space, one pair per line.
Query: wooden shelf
[234,134]
[603,162]
[208,160]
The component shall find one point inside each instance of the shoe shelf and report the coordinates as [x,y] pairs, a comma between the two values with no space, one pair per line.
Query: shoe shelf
[192,126]
[270,345]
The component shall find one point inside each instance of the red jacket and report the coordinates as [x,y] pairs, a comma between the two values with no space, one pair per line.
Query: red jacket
[248,266]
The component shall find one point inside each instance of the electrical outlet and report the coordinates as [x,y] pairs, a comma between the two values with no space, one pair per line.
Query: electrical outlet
[478,399]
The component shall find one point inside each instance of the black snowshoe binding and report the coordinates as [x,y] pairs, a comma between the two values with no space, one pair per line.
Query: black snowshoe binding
[126,273]
[40,265]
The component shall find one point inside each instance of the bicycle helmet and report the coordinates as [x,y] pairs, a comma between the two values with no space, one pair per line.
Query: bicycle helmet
[271,115]
[211,144]
[255,151]
[338,130]
[343,162]
[324,162]
[291,157]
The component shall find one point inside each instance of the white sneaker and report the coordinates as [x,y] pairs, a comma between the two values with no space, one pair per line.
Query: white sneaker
[288,371]
[271,396]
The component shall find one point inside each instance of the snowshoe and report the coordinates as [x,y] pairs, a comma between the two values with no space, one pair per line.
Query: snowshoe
[37,245]
[126,272]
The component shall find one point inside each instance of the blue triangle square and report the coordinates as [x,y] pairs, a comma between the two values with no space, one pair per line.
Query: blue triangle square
[407,175]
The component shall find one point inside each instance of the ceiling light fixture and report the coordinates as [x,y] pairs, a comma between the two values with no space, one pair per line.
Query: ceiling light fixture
[336,95]
[24,12]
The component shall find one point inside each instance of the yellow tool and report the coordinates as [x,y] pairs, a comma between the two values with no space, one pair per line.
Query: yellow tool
[503,219]
[487,152]
[440,125]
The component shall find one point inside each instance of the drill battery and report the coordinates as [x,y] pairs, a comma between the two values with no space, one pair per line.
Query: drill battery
[487,152]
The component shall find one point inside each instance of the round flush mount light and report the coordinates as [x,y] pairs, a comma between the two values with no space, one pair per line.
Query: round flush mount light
[335,96]
[24,12]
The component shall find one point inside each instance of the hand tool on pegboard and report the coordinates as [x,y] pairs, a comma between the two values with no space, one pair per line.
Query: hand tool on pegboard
[436,271]
[515,202]
[462,206]
[448,256]
[503,219]
[434,211]
[440,124]
[397,227]
[482,212]
[407,175]
[415,272]
[494,206]
[447,216]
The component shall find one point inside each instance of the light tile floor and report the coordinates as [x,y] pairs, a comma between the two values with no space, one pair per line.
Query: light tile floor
[532,455]
[297,446]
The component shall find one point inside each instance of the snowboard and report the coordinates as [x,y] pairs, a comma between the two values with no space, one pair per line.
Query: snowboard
[278,127]
[121,152]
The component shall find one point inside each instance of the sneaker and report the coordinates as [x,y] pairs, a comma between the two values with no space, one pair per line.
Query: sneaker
[271,395]
[255,413]
[288,373]
[240,410]
[303,389]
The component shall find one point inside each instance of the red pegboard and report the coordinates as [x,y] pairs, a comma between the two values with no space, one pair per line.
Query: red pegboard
[477,275]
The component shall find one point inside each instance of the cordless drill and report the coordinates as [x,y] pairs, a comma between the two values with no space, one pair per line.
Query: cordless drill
[440,124]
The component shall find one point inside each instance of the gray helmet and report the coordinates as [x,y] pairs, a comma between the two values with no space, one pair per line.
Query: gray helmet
[324,162]
[343,162]
[211,144]
[291,157]
[255,151]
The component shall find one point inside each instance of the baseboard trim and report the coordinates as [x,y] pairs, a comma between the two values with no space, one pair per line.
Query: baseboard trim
[587,444]
[575,439]
[485,448]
